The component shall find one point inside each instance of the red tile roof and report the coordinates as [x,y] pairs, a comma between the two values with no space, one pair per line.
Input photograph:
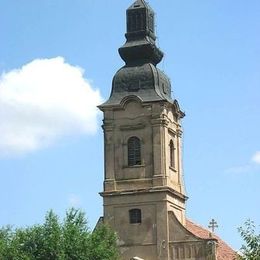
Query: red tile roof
[224,251]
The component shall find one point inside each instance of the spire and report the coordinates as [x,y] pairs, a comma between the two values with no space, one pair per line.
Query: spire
[140,44]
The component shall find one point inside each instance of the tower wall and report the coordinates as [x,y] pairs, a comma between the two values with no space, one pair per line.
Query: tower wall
[154,187]
[156,125]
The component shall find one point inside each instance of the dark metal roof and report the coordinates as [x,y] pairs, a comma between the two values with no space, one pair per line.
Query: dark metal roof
[145,81]
[140,77]
[139,4]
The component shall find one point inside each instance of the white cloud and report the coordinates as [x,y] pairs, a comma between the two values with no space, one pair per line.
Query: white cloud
[43,101]
[239,169]
[249,167]
[74,200]
[256,157]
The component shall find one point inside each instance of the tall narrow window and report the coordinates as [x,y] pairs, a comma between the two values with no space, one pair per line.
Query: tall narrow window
[151,22]
[172,154]
[134,151]
[135,216]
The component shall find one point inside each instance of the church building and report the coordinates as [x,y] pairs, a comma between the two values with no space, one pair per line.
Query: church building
[144,194]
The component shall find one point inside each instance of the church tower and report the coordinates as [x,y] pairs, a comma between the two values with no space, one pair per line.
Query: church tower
[143,138]
[144,194]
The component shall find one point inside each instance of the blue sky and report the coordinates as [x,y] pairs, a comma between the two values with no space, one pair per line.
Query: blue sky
[51,146]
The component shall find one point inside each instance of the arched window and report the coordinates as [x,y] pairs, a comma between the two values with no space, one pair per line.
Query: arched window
[134,151]
[135,216]
[172,154]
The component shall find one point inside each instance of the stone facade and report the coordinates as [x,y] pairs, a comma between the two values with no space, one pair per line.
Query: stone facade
[144,194]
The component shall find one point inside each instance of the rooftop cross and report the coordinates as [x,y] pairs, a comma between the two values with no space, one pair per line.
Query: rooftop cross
[213,224]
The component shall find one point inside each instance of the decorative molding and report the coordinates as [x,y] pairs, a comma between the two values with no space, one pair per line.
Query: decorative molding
[160,122]
[179,132]
[162,189]
[134,166]
[171,131]
[132,127]
[173,169]
[108,127]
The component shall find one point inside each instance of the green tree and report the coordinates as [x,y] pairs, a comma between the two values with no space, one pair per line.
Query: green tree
[70,239]
[251,249]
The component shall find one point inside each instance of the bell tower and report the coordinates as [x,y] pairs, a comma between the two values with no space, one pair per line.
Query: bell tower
[143,179]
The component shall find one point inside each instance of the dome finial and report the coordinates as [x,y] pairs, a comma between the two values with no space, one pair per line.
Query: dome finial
[140,20]
[140,44]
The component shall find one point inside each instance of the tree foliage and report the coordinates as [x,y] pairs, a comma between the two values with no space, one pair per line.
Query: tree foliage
[70,239]
[251,248]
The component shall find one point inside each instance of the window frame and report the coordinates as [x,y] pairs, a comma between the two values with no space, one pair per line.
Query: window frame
[172,154]
[135,216]
[134,151]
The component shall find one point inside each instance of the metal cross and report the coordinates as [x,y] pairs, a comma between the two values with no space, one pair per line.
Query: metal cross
[213,224]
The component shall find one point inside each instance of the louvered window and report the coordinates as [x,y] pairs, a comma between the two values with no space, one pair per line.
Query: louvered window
[172,154]
[135,216]
[134,151]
